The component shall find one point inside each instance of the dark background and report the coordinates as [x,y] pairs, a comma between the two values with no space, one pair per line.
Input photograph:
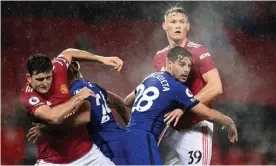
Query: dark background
[240,36]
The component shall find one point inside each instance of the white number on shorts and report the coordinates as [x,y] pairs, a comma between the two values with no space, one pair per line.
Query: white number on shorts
[195,154]
[145,96]
[105,109]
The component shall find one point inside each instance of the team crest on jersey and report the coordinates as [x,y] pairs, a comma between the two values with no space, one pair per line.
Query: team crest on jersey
[63,89]
[33,100]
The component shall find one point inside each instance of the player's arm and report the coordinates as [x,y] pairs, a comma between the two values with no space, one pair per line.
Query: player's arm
[217,117]
[129,100]
[212,88]
[210,74]
[80,118]
[56,114]
[82,55]
[120,106]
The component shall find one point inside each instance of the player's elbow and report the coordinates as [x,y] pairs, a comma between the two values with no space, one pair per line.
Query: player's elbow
[127,102]
[219,91]
[55,120]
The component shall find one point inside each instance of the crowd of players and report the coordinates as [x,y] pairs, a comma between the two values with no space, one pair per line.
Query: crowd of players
[164,122]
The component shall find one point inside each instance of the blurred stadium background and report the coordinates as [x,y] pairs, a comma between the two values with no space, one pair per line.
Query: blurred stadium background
[240,35]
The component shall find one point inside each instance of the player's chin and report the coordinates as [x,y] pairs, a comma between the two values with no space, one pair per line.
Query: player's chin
[183,80]
[43,91]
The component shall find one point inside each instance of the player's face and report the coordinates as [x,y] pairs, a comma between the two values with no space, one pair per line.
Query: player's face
[41,82]
[181,68]
[176,26]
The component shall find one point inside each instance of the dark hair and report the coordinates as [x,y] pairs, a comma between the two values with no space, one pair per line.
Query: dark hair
[178,52]
[39,63]
[175,9]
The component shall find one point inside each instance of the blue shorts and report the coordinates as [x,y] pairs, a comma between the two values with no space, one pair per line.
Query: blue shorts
[140,148]
[113,151]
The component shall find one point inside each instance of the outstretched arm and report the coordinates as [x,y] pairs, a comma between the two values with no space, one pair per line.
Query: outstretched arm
[81,55]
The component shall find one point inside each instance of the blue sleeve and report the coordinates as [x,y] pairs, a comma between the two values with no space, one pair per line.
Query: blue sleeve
[185,98]
[75,88]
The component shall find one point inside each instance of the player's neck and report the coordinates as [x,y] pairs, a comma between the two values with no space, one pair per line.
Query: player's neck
[73,80]
[174,43]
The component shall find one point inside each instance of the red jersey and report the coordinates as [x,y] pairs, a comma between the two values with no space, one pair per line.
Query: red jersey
[63,146]
[202,63]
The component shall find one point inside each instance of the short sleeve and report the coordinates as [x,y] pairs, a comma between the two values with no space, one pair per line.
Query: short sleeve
[31,101]
[185,98]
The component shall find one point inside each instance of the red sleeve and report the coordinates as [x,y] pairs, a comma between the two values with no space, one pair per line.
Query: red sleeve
[159,62]
[31,101]
[60,63]
[204,60]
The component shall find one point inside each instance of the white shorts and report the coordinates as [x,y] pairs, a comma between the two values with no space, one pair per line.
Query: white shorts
[93,157]
[188,147]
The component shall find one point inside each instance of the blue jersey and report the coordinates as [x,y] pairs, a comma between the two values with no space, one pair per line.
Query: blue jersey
[102,127]
[157,95]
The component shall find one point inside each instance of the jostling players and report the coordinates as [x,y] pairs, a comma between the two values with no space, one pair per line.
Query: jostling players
[46,99]
[195,133]
[99,120]
[155,97]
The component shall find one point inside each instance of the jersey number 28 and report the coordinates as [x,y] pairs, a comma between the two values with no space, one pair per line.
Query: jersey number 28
[145,97]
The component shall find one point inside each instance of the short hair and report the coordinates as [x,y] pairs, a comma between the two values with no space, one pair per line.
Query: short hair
[74,68]
[178,52]
[39,63]
[175,9]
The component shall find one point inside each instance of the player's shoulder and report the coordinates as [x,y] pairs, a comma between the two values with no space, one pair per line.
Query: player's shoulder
[29,96]
[195,45]
[163,51]
[27,90]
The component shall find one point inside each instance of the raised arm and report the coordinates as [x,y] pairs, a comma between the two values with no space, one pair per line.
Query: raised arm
[82,55]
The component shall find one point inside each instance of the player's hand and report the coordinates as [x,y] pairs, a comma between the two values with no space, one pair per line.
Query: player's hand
[116,62]
[85,93]
[175,115]
[35,133]
[232,133]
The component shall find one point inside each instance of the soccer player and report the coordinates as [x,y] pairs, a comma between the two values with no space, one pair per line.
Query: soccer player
[46,99]
[101,125]
[155,97]
[194,140]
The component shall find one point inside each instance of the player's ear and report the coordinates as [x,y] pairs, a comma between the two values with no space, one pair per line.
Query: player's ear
[188,26]
[164,26]
[169,64]
[28,77]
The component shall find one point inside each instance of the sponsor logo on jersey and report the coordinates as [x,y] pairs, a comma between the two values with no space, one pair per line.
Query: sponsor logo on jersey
[202,56]
[63,89]
[33,100]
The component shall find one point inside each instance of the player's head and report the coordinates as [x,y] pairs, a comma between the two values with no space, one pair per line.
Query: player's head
[179,63]
[73,72]
[39,75]
[176,24]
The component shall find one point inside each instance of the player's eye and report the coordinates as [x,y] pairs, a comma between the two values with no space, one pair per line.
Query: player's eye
[173,21]
[48,77]
[40,79]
